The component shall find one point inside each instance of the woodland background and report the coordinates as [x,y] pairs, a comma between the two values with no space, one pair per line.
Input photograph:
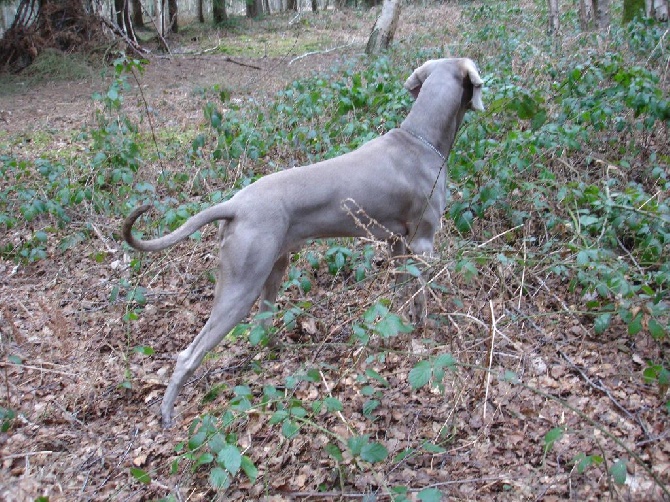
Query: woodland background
[543,370]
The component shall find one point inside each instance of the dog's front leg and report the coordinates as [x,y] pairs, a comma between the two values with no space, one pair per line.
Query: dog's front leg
[417,295]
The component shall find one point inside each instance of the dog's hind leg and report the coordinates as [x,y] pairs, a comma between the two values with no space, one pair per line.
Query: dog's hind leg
[244,270]
[272,285]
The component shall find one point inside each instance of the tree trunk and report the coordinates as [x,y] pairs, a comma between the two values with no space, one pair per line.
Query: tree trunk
[585,14]
[201,11]
[594,14]
[315,6]
[384,29]
[158,16]
[219,11]
[123,19]
[138,18]
[554,17]
[602,8]
[292,5]
[657,9]
[631,9]
[254,8]
[173,26]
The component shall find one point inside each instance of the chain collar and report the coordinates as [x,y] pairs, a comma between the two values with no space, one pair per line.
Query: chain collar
[425,142]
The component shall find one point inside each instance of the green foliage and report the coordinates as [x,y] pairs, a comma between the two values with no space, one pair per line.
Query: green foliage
[314,119]
[211,447]
[48,193]
[7,417]
[379,320]
[603,116]
[431,370]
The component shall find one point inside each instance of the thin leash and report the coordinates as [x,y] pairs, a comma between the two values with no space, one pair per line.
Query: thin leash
[442,166]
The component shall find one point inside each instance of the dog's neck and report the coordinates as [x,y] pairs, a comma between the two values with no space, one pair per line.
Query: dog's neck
[446,111]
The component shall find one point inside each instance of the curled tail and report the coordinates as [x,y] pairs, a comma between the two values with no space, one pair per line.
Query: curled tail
[220,211]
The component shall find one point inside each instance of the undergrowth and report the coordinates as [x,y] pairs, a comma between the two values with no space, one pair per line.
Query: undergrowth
[564,178]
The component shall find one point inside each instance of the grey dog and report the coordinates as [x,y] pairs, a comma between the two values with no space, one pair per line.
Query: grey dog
[393,188]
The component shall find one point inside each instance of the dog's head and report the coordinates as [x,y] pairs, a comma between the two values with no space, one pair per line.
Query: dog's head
[462,69]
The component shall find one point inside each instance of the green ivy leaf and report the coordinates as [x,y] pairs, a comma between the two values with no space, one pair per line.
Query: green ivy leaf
[433,448]
[197,440]
[230,458]
[249,469]
[14,359]
[602,323]
[430,495]
[420,374]
[656,329]
[369,406]
[140,475]
[205,458]
[619,472]
[375,375]
[445,361]
[334,452]
[356,444]
[289,429]
[552,436]
[635,326]
[144,350]
[278,416]
[374,452]
[333,404]
[219,478]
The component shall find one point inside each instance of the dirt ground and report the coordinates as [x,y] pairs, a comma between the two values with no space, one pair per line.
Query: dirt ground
[79,431]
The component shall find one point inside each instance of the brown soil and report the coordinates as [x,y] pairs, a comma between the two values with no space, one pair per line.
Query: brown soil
[79,431]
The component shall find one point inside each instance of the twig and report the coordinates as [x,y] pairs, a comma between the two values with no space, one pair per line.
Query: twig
[102,237]
[599,386]
[487,373]
[337,495]
[30,453]
[339,413]
[57,372]
[247,65]
[523,273]
[151,122]
[122,458]
[134,46]
[498,236]
[313,53]
[158,31]
[573,366]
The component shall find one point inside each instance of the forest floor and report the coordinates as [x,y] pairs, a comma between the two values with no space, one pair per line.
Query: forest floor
[79,432]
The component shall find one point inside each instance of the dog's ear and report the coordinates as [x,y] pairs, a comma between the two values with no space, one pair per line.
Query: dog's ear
[476,81]
[418,77]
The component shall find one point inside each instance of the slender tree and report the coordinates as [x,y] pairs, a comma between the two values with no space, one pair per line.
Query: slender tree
[219,11]
[138,17]
[554,16]
[384,28]
[657,9]
[173,11]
